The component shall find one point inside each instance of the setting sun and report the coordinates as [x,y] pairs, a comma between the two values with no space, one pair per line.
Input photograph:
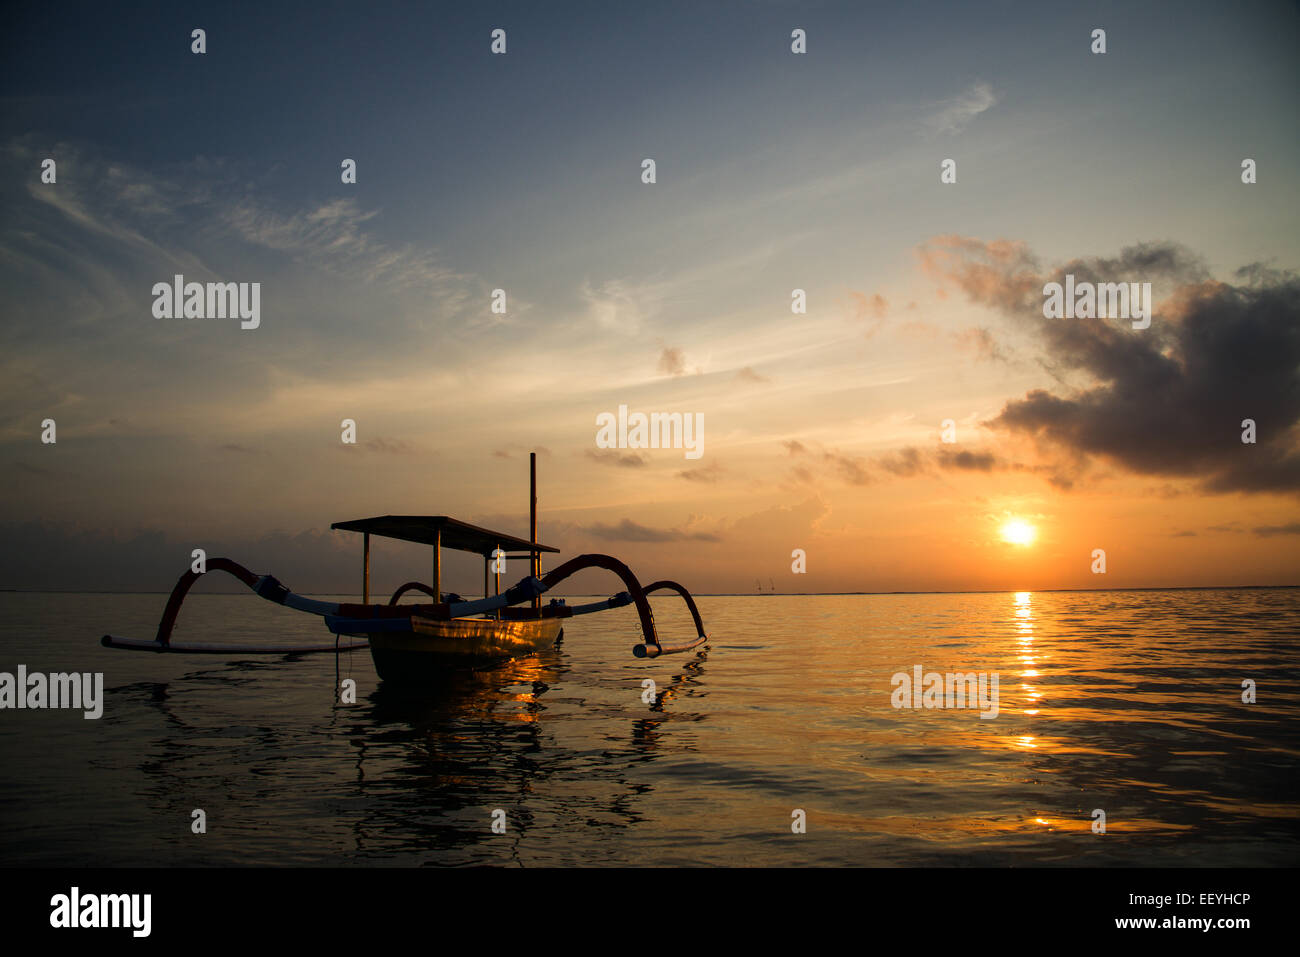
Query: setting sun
[1018,532]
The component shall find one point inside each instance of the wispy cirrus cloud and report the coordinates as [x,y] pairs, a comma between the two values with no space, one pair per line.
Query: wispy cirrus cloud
[170,215]
[335,235]
[105,203]
[956,113]
[618,305]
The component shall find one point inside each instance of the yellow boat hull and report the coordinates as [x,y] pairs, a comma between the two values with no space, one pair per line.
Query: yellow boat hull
[433,646]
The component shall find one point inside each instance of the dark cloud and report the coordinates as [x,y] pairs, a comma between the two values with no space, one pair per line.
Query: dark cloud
[509,451]
[629,531]
[869,309]
[378,445]
[388,446]
[1143,262]
[1007,276]
[967,460]
[905,462]
[749,375]
[707,473]
[850,468]
[615,457]
[1168,400]
[1001,274]
[672,361]
[910,462]
[1268,531]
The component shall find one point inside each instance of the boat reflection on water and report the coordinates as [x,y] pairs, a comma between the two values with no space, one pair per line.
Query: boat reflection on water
[508,692]
[439,763]
[680,689]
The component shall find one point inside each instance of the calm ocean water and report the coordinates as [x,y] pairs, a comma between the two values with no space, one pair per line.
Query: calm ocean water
[1125,701]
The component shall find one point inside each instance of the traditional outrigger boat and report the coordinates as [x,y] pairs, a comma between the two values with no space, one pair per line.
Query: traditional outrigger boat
[409,642]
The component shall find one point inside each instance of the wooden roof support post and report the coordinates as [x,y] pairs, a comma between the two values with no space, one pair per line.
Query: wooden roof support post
[365,569]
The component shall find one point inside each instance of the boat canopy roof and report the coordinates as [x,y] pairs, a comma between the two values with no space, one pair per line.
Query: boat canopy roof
[455,534]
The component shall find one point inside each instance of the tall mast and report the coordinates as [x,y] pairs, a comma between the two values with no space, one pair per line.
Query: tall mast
[534,565]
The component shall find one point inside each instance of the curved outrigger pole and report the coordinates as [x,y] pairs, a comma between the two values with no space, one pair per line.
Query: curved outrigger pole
[666,585]
[411,586]
[263,585]
[652,647]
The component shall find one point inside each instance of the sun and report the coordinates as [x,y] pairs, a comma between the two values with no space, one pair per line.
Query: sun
[1018,532]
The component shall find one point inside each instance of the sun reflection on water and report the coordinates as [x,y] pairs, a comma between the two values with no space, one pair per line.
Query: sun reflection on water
[1024,622]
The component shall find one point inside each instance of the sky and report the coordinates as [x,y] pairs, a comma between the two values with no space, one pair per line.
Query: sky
[775,171]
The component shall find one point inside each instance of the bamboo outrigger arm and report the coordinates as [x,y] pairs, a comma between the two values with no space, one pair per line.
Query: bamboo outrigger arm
[260,584]
[652,647]
[666,585]
[411,586]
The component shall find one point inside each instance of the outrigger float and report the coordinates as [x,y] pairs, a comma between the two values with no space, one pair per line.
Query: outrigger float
[412,641]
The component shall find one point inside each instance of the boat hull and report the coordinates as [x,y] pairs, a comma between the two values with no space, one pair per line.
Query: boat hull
[432,646]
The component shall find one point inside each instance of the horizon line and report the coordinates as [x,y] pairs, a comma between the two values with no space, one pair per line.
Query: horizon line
[729,594]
